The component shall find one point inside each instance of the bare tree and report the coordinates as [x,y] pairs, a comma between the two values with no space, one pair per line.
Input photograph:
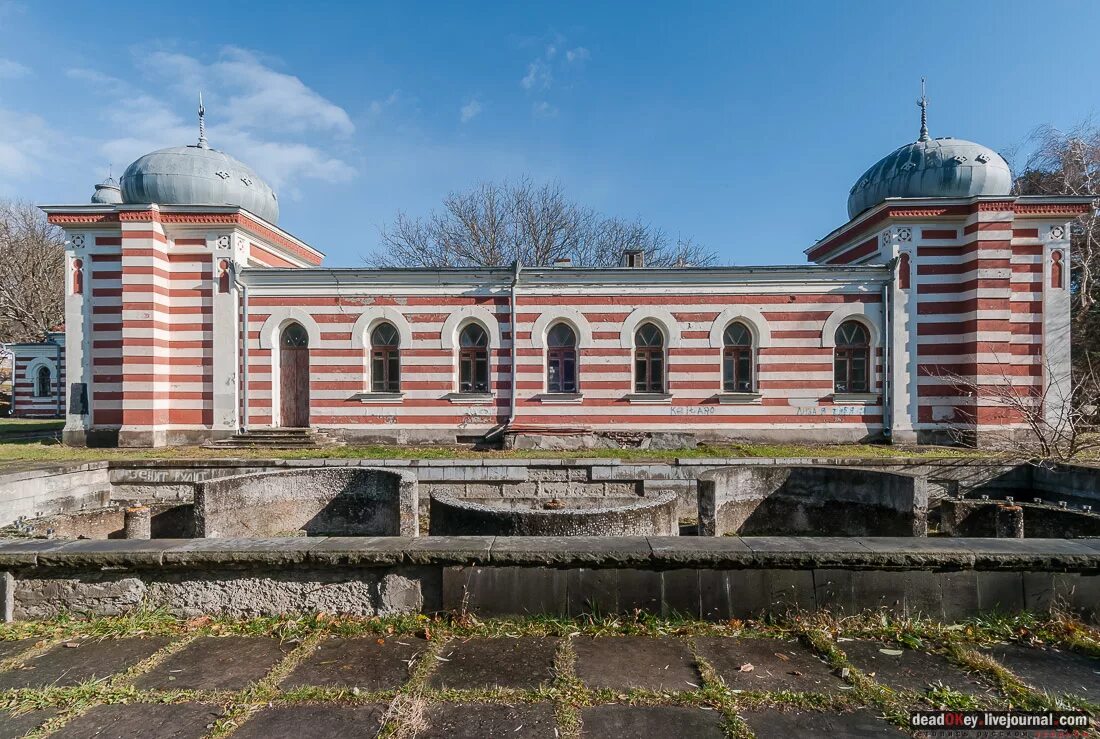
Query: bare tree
[495,223]
[1054,422]
[1068,163]
[32,273]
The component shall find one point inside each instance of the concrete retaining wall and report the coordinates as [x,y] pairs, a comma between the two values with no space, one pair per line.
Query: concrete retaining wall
[348,501]
[451,516]
[714,578]
[815,501]
[47,490]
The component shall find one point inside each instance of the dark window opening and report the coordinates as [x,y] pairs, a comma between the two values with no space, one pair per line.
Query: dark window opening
[649,359]
[473,360]
[385,357]
[561,360]
[737,359]
[42,381]
[851,364]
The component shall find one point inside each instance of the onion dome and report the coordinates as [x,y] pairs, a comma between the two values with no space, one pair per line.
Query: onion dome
[107,192]
[931,168]
[198,175]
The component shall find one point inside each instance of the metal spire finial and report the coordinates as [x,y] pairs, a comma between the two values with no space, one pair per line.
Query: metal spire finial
[923,104]
[202,124]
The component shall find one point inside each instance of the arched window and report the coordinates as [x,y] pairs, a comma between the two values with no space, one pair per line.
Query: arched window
[561,359]
[294,336]
[649,359]
[737,359]
[385,359]
[42,381]
[852,360]
[473,360]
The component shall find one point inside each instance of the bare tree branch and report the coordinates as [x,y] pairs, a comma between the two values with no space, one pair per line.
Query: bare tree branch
[495,223]
[32,273]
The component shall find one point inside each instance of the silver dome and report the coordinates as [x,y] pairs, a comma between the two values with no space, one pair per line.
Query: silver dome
[932,168]
[107,192]
[198,175]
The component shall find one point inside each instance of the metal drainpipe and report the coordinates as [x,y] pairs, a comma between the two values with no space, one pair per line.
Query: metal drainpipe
[244,352]
[888,338]
[512,323]
[60,388]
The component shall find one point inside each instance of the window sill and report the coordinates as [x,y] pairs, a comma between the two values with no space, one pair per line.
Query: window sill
[737,398]
[652,398]
[469,398]
[867,398]
[559,398]
[379,397]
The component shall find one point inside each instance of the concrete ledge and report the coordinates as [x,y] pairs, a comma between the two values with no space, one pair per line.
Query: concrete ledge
[730,552]
[720,577]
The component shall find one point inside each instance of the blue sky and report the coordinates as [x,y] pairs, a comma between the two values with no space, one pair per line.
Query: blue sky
[741,126]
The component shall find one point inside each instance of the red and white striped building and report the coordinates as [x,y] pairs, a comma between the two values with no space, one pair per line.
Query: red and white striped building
[191,316]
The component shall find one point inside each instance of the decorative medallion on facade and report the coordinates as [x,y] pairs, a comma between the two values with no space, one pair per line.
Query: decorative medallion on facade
[1057,233]
[223,242]
[905,233]
[77,241]
[887,236]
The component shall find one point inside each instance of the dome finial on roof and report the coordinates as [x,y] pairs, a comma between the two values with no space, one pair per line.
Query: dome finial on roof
[923,104]
[202,124]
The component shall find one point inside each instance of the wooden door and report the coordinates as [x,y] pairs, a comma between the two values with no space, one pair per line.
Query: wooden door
[294,377]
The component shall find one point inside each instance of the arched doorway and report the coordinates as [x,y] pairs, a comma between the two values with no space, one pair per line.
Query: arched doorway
[294,377]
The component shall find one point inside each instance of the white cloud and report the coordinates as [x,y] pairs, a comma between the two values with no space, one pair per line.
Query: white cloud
[470,110]
[258,96]
[578,54]
[543,109]
[28,143]
[270,120]
[11,69]
[538,76]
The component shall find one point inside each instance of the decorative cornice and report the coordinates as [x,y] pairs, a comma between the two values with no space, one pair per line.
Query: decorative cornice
[1052,209]
[61,219]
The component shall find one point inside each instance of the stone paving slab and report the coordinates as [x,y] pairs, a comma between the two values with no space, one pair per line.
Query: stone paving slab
[912,669]
[126,721]
[482,721]
[62,665]
[1061,672]
[313,722]
[13,727]
[217,663]
[654,722]
[776,664]
[11,647]
[814,725]
[499,662]
[626,662]
[368,663]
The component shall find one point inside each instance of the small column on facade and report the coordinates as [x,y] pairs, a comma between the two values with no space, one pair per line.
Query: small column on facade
[76,394]
[228,252]
[138,522]
[1057,378]
[900,250]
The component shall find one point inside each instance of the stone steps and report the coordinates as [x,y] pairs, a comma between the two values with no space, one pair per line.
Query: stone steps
[280,438]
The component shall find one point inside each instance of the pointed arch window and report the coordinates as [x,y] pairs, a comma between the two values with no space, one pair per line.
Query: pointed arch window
[852,358]
[649,359]
[473,360]
[42,381]
[737,359]
[561,359]
[385,359]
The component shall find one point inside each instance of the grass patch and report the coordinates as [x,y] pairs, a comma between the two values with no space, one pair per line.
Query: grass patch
[46,451]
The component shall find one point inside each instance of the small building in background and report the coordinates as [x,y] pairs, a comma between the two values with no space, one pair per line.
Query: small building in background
[38,377]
